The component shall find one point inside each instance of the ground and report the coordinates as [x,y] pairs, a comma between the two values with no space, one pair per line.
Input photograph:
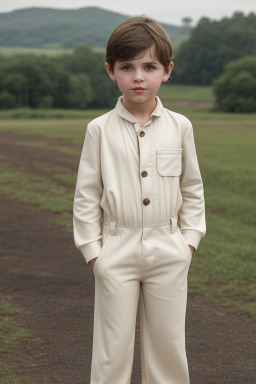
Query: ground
[43,273]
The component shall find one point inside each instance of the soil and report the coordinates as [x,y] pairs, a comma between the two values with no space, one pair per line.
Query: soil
[43,273]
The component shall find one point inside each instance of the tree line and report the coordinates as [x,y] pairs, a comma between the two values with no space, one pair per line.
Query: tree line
[78,80]
[222,53]
[211,45]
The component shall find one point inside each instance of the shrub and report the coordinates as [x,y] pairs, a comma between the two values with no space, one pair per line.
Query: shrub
[7,100]
[235,89]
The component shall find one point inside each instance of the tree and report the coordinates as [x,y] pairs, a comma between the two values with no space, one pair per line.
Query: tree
[7,100]
[211,45]
[187,21]
[16,85]
[78,80]
[80,92]
[235,89]
[85,61]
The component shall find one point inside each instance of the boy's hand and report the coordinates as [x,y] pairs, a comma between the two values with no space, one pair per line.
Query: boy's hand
[192,249]
[92,261]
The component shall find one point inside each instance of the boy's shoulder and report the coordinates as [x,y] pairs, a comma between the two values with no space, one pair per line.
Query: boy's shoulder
[99,121]
[178,117]
[179,120]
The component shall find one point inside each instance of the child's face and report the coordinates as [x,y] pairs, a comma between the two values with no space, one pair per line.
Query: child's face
[140,78]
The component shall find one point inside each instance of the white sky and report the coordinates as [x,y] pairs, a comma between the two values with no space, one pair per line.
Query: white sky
[163,10]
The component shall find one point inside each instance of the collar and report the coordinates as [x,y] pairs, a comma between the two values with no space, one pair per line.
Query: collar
[125,114]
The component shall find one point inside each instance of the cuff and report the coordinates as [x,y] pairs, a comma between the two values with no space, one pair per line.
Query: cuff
[91,250]
[192,237]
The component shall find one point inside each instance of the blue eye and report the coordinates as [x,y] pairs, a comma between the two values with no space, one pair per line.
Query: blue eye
[126,68]
[150,67]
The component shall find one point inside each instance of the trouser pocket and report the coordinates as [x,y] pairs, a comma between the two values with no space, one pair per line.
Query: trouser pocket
[186,246]
[106,237]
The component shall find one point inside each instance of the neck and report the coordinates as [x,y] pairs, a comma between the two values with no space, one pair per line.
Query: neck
[141,111]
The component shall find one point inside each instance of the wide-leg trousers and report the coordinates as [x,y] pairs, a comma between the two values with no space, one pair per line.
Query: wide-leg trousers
[153,261]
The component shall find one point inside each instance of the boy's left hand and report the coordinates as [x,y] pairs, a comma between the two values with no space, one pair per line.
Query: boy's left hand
[192,249]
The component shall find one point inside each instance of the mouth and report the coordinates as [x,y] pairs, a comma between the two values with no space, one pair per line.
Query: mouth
[138,89]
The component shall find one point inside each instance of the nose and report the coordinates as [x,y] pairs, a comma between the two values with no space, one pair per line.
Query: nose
[137,77]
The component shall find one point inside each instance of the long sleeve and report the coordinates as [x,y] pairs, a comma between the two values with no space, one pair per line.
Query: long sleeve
[87,212]
[192,211]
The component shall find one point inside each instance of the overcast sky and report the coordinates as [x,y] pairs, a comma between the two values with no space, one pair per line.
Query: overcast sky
[168,11]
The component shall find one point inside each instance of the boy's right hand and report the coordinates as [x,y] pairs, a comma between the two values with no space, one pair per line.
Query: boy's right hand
[92,261]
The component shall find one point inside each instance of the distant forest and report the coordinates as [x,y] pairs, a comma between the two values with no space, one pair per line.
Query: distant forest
[48,27]
[78,80]
[213,44]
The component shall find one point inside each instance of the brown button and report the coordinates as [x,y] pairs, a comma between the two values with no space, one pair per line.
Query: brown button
[144,173]
[146,201]
[142,133]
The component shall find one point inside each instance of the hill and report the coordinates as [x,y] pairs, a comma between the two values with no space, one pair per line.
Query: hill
[49,27]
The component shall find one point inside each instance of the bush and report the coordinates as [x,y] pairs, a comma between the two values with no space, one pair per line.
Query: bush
[7,100]
[235,89]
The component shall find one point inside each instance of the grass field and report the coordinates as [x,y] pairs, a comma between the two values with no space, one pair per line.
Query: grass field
[196,102]
[170,92]
[50,50]
[12,51]
[223,268]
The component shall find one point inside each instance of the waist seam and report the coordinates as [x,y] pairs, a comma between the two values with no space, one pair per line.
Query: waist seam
[107,220]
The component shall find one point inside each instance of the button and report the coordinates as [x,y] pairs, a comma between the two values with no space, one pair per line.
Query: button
[146,201]
[144,173]
[142,133]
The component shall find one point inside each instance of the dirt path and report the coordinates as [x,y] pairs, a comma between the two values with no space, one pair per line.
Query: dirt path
[43,272]
[35,160]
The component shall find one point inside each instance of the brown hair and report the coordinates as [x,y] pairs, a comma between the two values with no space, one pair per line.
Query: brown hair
[135,35]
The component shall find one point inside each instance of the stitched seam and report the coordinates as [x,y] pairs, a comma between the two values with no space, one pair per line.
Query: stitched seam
[140,226]
[185,138]
[145,340]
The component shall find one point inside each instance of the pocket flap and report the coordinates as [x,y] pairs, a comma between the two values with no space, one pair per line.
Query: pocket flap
[169,162]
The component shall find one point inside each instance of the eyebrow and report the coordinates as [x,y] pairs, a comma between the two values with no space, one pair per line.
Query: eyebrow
[130,62]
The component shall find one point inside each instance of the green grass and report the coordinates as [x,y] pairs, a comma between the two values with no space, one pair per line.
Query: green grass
[72,131]
[8,376]
[29,113]
[52,193]
[42,144]
[7,310]
[50,51]
[223,269]
[195,102]
[185,92]
[37,191]
[11,338]
[54,50]
[68,179]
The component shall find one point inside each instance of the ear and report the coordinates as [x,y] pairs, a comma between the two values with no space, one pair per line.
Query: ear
[109,71]
[168,71]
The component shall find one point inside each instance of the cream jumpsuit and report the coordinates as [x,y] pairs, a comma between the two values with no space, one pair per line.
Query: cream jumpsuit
[138,203]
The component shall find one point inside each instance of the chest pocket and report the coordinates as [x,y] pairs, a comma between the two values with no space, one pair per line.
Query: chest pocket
[169,162]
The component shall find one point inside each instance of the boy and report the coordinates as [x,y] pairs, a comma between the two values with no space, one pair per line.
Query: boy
[139,213]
